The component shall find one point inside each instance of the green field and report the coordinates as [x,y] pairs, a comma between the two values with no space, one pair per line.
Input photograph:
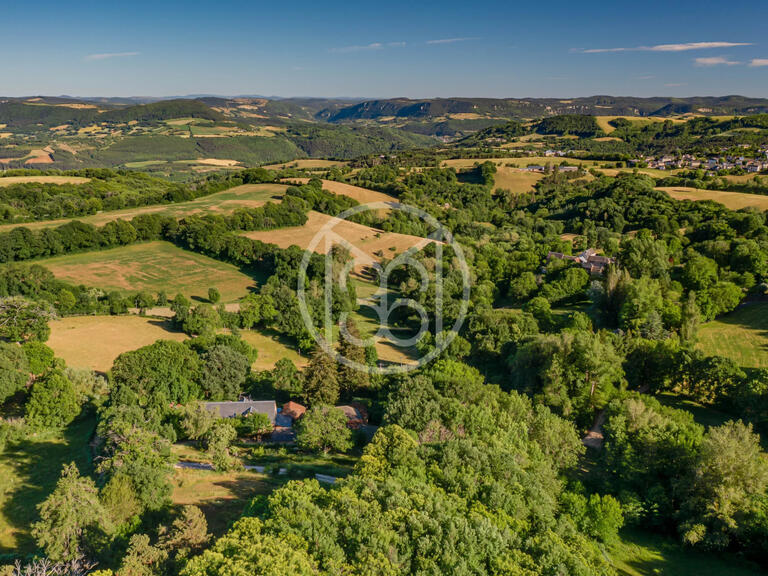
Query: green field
[29,470]
[741,336]
[246,196]
[644,554]
[271,348]
[153,266]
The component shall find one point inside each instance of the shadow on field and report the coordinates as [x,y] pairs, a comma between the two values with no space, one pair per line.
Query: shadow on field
[37,462]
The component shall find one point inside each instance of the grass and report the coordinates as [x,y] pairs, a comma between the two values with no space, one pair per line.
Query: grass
[516,162]
[271,348]
[512,179]
[246,196]
[10,180]
[741,336]
[95,341]
[307,164]
[731,200]
[29,470]
[362,195]
[222,496]
[642,553]
[703,415]
[153,266]
[368,241]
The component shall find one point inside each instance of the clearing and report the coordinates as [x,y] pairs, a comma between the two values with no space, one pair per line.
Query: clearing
[271,348]
[741,336]
[152,266]
[222,496]
[640,553]
[515,180]
[731,200]
[95,341]
[225,202]
[11,180]
[29,470]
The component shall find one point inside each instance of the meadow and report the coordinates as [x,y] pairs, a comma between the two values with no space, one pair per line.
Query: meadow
[227,201]
[95,341]
[10,180]
[362,195]
[271,348]
[731,200]
[640,553]
[29,470]
[152,266]
[222,496]
[741,336]
[370,241]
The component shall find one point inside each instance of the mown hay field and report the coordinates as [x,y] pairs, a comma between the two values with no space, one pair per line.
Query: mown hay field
[95,341]
[307,164]
[11,180]
[362,195]
[152,266]
[731,200]
[369,241]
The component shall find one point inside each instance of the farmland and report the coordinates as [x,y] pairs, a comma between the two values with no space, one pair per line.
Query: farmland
[95,341]
[245,196]
[153,266]
[741,336]
[10,180]
[362,195]
[271,348]
[29,470]
[731,200]
[368,240]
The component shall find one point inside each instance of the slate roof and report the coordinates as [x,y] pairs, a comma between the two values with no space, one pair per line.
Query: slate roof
[243,408]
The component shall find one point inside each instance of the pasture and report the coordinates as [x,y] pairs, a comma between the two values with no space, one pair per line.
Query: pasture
[639,553]
[271,348]
[95,341]
[152,266]
[372,243]
[222,496]
[225,202]
[515,180]
[11,180]
[731,200]
[362,195]
[29,470]
[307,164]
[741,336]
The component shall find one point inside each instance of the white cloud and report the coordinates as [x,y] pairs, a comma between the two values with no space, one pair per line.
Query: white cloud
[368,47]
[715,61]
[450,40]
[676,84]
[108,55]
[668,47]
[757,62]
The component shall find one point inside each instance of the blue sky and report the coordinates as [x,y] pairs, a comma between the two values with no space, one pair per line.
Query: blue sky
[413,49]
